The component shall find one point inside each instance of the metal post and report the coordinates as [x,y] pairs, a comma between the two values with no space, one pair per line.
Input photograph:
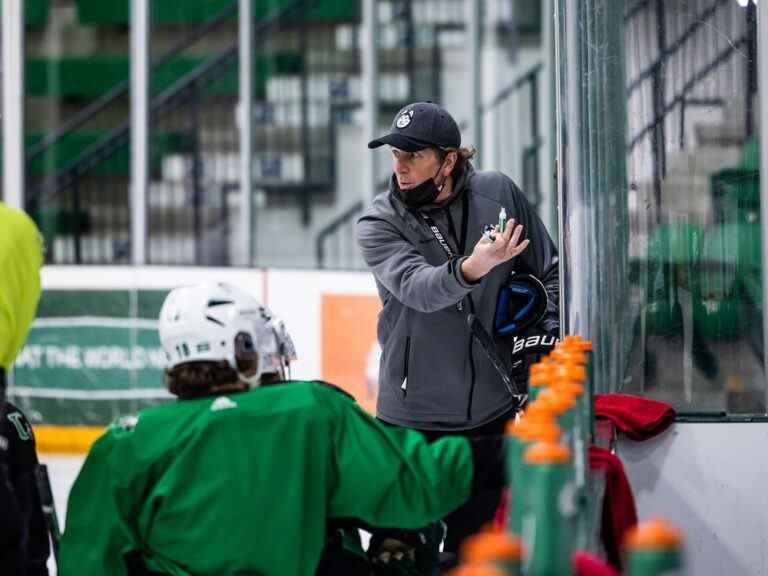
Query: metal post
[548,142]
[575,305]
[13,101]
[751,80]
[560,142]
[246,133]
[77,232]
[197,181]
[370,72]
[139,128]
[658,138]
[472,12]
[410,46]
[306,164]
[762,63]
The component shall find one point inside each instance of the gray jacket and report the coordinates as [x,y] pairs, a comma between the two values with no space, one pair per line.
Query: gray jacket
[433,376]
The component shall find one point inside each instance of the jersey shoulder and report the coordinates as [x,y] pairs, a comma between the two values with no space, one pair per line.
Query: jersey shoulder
[16,425]
[315,385]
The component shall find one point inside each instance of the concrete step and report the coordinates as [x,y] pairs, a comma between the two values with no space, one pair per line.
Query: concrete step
[212,250]
[702,161]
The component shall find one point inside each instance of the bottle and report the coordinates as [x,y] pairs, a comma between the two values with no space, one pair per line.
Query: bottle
[574,342]
[579,448]
[568,354]
[476,570]
[566,371]
[538,378]
[568,378]
[561,405]
[653,548]
[522,433]
[547,525]
[499,549]
[502,220]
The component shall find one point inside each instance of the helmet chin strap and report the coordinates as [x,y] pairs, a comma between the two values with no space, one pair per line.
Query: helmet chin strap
[252,381]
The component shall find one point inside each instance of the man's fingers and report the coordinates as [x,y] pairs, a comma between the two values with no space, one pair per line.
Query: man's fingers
[520,247]
[516,235]
[509,229]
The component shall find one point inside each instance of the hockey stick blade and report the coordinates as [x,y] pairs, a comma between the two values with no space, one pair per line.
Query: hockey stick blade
[489,347]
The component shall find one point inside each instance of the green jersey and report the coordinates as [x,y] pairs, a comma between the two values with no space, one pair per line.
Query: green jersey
[244,483]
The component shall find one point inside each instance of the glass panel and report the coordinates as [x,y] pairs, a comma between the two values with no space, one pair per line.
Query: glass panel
[668,277]
[77,72]
[306,92]
[193,136]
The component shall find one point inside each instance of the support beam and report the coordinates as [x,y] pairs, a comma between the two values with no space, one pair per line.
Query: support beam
[370,70]
[140,24]
[762,82]
[472,13]
[243,255]
[12,125]
[574,296]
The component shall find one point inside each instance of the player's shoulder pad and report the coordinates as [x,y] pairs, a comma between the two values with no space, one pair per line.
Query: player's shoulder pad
[335,388]
[18,423]
[126,423]
[321,383]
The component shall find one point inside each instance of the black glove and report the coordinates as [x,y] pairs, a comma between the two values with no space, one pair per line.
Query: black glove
[407,552]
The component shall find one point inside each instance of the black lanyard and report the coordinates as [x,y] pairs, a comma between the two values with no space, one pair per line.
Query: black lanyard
[441,239]
[438,235]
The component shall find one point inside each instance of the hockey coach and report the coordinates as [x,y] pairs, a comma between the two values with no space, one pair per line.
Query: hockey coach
[444,242]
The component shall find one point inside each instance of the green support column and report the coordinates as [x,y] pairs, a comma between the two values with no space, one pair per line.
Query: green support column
[592,180]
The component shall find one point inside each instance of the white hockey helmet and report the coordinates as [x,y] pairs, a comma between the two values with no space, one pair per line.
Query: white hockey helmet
[213,321]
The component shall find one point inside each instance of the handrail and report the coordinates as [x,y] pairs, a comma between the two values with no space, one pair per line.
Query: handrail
[635,10]
[677,44]
[719,59]
[520,81]
[524,78]
[121,89]
[332,227]
[209,71]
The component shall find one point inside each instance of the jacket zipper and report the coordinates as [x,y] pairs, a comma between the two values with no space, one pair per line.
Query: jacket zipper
[460,243]
[471,363]
[404,385]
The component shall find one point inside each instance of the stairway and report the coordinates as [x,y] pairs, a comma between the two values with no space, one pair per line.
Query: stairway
[307,90]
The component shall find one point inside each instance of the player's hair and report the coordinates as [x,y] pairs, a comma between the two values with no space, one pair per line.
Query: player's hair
[203,378]
[270,378]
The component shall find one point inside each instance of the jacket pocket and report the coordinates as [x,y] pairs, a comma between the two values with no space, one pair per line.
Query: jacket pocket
[406,356]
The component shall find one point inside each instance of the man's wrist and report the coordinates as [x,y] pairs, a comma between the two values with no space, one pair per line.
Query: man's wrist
[471,271]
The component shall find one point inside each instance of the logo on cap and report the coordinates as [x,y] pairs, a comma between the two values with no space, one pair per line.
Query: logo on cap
[404,119]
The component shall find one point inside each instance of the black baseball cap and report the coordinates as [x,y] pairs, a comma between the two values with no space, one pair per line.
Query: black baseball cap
[421,125]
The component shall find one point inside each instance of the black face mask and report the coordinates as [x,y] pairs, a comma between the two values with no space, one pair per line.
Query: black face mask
[423,194]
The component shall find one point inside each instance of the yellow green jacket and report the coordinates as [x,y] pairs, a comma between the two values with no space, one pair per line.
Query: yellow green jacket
[21,257]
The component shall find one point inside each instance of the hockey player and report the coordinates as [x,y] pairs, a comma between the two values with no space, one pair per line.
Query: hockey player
[23,536]
[237,478]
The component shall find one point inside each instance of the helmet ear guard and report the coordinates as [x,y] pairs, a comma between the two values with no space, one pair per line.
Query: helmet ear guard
[246,356]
